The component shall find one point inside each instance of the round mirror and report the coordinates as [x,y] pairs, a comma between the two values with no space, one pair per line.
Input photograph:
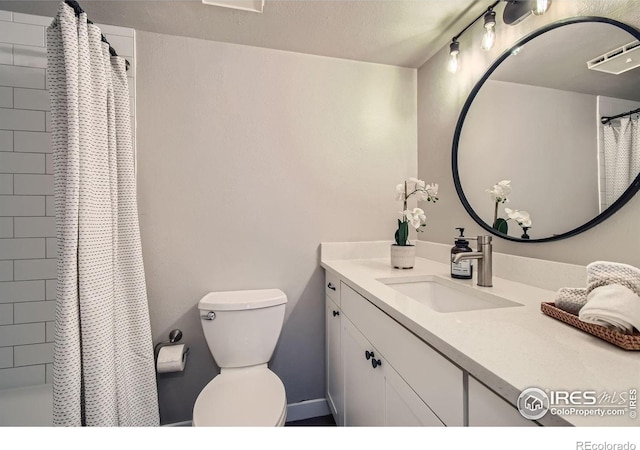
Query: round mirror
[532,159]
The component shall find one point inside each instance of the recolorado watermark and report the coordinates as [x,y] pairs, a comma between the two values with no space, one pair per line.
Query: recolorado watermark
[589,445]
[534,403]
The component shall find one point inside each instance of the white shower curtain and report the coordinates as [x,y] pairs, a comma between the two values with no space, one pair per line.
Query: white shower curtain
[621,156]
[103,369]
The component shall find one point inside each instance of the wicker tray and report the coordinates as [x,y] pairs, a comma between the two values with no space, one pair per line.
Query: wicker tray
[625,341]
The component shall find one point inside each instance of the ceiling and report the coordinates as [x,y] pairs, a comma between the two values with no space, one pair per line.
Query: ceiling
[558,60]
[397,32]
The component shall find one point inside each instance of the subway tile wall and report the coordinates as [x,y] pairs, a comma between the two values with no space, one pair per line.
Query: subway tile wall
[27,213]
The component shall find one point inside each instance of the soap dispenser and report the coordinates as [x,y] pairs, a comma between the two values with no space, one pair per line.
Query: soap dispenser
[463,269]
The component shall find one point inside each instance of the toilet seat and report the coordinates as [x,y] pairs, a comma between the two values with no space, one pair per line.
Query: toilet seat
[253,397]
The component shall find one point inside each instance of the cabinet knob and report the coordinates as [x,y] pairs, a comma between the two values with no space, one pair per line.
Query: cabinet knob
[331,286]
[368,354]
[375,362]
[336,313]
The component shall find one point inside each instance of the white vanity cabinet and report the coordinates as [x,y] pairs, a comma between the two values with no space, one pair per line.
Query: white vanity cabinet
[381,374]
[378,373]
[375,395]
[334,375]
[333,352]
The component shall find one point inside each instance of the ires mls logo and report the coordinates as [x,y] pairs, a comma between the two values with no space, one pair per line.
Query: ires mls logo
[533,403]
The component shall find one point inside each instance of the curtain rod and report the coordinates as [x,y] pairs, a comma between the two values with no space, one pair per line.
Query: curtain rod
[78,10]
[605,120]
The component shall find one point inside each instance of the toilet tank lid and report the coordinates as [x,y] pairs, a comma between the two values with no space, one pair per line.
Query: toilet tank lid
[241,300]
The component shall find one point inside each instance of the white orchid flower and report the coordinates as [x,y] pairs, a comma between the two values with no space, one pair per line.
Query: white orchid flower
[419,184]
[521,217]
[500,191]
[416,217]
[432,190]
[525,219]
[422,191]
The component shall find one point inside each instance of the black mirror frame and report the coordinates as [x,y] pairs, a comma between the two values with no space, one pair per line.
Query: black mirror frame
[624,198]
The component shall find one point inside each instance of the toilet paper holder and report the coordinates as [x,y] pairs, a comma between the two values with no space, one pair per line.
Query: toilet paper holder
[174,338]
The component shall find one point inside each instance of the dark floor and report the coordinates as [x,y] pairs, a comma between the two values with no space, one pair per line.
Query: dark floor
[323,421]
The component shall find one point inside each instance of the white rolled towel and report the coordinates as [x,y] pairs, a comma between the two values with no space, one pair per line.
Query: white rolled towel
[613,306]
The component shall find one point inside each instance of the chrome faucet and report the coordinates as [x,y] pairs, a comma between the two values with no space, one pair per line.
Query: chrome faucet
[484,256]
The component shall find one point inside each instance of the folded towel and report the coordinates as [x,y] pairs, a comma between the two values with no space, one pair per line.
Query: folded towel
[571,299]
[613,306]
[603,273]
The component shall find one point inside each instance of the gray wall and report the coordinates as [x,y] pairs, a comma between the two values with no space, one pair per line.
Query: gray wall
[537,125]
[441,96]
[248,158]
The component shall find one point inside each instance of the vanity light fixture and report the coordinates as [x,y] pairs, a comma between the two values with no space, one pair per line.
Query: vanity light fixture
[487,41]
[454,49]
[489,37]
[514,12]
[541,7]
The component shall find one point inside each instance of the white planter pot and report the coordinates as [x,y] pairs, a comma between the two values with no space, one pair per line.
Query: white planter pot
[403,256]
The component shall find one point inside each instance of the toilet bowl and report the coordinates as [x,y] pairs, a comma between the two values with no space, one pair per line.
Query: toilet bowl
[253,397]
[242,329]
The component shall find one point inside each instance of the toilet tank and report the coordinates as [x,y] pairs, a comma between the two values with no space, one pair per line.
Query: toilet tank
[244,327]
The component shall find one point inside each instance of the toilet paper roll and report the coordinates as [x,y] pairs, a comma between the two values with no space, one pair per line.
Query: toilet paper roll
[172,358]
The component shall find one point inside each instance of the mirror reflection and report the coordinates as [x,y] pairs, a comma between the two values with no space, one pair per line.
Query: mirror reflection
[535,159]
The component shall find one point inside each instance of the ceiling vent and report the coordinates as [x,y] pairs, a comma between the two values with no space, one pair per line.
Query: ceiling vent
[618,61]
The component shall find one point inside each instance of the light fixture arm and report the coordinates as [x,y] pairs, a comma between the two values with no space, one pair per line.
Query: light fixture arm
[514,12]
[490,8]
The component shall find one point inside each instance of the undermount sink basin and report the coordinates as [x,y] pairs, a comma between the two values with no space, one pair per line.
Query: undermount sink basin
[445,296]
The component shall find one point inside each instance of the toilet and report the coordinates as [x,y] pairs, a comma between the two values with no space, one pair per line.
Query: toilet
[242,329]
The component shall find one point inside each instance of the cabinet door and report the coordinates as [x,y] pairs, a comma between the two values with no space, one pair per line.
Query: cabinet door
[403,407]
[375,395]
[436,381]
[487,409]
[335,379]
[363,385]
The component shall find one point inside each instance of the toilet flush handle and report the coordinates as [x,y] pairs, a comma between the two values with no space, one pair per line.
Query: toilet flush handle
[208,316]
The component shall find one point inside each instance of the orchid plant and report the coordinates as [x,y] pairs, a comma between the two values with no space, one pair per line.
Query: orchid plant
[415,217]
[499,193]
[522,218]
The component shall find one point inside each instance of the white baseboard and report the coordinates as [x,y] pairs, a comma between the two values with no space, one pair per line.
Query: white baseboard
[307,409]
[295,411]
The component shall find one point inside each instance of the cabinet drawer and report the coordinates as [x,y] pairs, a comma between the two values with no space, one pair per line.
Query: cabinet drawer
[436,380]
[332,287]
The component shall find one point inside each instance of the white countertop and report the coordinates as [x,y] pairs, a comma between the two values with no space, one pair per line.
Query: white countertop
[507,349]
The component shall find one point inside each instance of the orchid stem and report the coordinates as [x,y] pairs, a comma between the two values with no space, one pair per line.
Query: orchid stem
[405,201]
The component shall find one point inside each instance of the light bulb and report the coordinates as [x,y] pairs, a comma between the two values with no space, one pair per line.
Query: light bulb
[541,7]
[454,49]
[453,63]
[488,39]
